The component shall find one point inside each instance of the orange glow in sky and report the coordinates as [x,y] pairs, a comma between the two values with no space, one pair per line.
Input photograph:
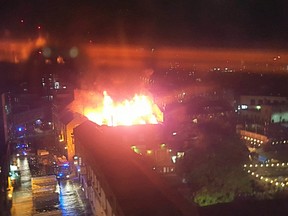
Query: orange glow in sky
[139,110]
[16,51]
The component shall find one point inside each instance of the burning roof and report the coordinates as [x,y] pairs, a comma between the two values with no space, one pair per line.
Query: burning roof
[103,110]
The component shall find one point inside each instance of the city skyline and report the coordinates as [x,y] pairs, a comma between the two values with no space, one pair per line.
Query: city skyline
[198,23]
[147,107]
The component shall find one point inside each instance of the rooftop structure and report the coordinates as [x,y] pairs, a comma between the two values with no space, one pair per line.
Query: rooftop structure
[64,125]
[118,181]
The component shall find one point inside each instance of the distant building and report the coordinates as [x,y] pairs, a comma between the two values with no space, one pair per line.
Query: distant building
[64,125]
[116,180]
[254,139]
[4,145]
[264,109]
[29,116]
[198,109]
[54,86]
[276,136]
[146,140]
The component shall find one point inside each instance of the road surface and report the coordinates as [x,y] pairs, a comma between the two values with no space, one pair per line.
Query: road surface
[71,197]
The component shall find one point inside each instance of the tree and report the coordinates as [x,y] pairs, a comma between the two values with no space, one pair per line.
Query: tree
[213,166]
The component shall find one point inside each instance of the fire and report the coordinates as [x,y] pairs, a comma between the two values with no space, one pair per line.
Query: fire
[140,110]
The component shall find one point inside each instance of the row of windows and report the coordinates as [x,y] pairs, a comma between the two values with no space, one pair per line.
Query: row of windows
[266,101]
[98,190]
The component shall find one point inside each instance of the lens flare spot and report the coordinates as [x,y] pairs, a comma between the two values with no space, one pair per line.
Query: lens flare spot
[73,52]
[47,52]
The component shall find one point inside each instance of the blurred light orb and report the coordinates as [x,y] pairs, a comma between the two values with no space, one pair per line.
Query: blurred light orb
[47,52]
[73,52]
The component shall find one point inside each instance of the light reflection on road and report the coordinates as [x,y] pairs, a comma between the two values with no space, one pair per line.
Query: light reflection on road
[25,173]
[22,197]
[71,197]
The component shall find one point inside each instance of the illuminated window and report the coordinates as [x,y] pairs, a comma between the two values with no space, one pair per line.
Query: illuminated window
[180,154]
[244,107]
[174,159]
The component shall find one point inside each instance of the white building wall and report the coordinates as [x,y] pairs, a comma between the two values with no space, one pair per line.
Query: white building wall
[96,195]
[279,117]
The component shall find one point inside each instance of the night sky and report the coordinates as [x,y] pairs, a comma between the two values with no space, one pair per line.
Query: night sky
[233,23]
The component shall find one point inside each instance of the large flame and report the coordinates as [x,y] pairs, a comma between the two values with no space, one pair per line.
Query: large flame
[140,110]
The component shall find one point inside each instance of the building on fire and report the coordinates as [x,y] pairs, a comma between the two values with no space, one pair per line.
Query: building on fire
[64,125]
[116,180]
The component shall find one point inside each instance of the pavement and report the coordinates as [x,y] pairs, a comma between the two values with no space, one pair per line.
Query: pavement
[4,208]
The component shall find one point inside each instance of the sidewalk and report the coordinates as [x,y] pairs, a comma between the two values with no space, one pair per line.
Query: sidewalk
[4,209]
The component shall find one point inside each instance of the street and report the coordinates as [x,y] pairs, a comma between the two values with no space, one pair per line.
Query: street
[71,197]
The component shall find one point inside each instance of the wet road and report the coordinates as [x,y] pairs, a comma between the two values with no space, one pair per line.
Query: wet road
[71,198]
[22,196]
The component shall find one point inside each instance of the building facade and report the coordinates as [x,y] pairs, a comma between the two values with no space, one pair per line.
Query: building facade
[4,151]
[63,126]
[119,182]
[264,109]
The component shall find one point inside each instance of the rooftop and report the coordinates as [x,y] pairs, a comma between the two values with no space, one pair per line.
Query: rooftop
[138,190]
